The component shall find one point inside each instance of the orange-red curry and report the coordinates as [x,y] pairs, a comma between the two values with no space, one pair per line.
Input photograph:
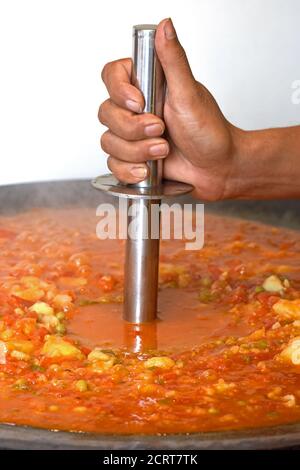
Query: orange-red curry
[224,354]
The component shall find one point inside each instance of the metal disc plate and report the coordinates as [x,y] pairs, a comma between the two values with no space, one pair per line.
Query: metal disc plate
[109,184]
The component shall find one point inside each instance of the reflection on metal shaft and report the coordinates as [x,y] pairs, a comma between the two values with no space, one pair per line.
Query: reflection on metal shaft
[140,338]
[142,252]
[141,265]
[148,76]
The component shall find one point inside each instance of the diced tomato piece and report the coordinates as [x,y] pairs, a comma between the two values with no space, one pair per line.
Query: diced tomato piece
[239,295]
[214,270]
[267,299]
[107,283]
[4,233]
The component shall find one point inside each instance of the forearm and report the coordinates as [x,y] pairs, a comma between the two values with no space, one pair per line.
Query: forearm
[266,164]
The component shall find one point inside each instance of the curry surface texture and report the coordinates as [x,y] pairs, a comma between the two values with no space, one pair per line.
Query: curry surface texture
[224,353]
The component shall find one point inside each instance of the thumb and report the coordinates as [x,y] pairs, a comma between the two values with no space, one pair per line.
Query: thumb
[173,59]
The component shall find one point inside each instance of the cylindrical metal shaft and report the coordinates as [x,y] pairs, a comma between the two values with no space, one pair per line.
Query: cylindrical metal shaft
[142,250]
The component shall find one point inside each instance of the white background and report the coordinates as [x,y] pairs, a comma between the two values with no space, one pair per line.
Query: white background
[247,52]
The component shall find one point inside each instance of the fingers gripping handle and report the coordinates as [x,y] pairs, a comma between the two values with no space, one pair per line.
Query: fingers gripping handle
[148,76]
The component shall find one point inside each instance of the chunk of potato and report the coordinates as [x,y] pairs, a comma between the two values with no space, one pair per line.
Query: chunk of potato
[287,309]
[32,294]
[31,288]
[45,314]
[7,334]
[3,352]
[33,281]
[98,355]
[292,352]
[171,272]
[62,300]
[289,400]
[73,281]
[42,308]
[162,362]
[49,321]
[21,384]
[81,385]
[273,284]
[100,360]
[20,356]
[23,346]
[222,387]
[57,347]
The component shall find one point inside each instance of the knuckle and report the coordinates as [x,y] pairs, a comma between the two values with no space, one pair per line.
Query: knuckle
[110,164]
[104,142]
[140,121]
[105,71]
[131,129]
[135,127]
[116,168]
[101,113]
[123,176]
[182,57]
[142,151]
[126,62]
[123,124]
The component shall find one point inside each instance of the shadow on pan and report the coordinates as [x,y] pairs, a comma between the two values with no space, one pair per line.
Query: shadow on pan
[79,193]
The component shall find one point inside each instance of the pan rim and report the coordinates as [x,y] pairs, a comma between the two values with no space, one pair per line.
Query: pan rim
[271,437]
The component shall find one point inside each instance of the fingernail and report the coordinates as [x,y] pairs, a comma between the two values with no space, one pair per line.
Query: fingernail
[154,130]
[159,150]
[134,106]
[139,172]
[169,29]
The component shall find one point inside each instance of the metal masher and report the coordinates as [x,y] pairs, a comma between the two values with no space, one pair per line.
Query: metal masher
[142,246]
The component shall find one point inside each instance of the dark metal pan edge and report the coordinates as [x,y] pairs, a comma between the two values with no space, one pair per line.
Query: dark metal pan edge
[276,437]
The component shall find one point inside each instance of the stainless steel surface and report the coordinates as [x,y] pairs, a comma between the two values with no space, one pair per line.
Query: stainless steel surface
[148,76]
[142,251]
[109,184]
[141,264]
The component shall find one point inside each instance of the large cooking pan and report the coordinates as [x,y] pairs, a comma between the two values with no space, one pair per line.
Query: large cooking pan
[17,198]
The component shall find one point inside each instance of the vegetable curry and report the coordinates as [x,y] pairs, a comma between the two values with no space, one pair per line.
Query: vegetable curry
[224,353]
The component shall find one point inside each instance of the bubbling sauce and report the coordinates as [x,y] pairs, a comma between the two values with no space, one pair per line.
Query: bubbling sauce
[224,352]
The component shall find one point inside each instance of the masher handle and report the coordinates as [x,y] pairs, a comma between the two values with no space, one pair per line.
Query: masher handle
[148,76]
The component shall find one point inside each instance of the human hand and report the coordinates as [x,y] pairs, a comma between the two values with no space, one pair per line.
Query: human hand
[195,140]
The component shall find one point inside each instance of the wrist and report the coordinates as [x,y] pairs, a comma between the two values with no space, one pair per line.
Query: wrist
[265,164]
[235,182]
